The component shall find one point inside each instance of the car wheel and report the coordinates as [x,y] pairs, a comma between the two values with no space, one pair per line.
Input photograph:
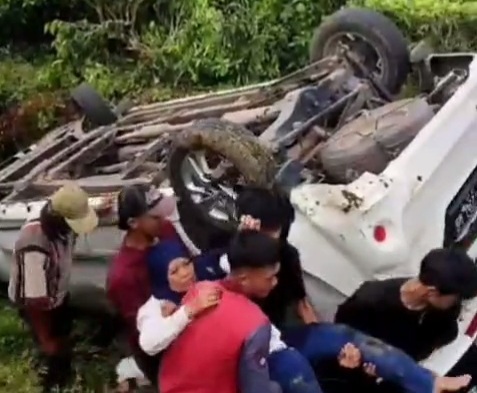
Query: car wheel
[207,164]
[375,39]
[93,106]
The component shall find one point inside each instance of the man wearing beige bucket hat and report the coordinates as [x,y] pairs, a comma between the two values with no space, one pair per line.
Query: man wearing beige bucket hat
[40,276]
[71,203]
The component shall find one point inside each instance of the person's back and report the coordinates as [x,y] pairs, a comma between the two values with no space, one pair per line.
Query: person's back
[210,350]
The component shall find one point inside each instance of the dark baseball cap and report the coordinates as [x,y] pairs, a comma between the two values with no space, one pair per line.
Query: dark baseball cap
[137,200]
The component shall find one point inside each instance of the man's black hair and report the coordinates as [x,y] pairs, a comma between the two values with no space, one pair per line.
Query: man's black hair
[451,271]
[53,225]
[133,203]
[253,250]
[271,207]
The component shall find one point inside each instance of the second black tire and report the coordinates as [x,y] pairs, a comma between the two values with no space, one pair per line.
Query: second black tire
[93,106]
[376,30]
[369,142]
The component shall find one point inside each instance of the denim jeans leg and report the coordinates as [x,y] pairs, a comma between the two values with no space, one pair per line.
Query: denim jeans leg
[292,372]
[318,341]
[394,365]
[325,340]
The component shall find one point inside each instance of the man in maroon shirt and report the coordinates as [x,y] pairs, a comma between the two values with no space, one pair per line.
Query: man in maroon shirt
[142,212]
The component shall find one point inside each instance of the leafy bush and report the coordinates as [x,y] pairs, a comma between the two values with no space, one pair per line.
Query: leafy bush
[18,369]
[23,21]
[451,25]
[140,47]
[203,42]
[128,45]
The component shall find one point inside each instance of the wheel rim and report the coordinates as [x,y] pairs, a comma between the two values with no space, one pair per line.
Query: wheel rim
[206,186]
[366,52]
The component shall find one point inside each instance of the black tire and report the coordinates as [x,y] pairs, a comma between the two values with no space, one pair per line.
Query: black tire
[369,142]
[93,106]
[378,31]
[235,143]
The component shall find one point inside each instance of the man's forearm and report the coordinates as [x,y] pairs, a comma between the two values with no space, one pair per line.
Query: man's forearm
[306,312]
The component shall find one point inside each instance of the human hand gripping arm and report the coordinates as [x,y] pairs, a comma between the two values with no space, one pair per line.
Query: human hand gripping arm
[296,285]
[159,322]
[306,312]
[254,375]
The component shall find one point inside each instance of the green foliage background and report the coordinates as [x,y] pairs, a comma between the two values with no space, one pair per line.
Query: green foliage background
[152,49]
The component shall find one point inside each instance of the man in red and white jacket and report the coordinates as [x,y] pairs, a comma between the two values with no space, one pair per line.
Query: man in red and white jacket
[227,348]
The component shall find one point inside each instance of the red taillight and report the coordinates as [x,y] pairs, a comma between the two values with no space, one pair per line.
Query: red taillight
[472,328]
[379,233]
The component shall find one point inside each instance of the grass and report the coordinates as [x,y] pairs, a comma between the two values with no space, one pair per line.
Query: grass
[94,369]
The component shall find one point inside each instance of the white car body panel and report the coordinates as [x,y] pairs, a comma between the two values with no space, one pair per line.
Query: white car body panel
[335,225]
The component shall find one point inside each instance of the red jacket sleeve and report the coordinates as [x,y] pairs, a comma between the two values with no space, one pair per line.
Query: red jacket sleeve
[254,375]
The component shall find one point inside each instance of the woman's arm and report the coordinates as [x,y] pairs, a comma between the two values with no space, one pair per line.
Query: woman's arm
[292,274]
[306,312]
[157,331]
[159,324]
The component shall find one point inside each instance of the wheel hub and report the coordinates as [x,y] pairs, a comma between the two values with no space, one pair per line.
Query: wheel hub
[206,187]
[365,53]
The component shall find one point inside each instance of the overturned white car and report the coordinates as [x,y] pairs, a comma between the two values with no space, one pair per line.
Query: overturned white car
[376,180]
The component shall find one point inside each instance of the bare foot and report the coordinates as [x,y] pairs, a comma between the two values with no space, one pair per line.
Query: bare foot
[451,384]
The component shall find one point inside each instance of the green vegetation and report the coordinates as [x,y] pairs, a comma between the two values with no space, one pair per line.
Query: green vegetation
[146,49]
[156,49]
[450,25]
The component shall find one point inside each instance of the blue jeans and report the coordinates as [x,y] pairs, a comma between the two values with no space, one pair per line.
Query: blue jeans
[292,371]
[325,340]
